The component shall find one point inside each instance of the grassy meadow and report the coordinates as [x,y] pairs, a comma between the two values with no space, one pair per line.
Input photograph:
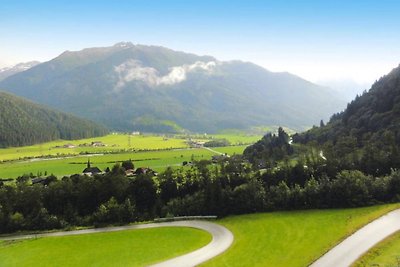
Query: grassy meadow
[157,160]
[385,254]
[291,238]
[230,150]
[156,152]
[124,248]
[112,142]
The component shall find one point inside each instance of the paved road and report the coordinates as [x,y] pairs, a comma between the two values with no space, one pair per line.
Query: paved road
[221,241]
[348,251]
[214,151]
[222,238]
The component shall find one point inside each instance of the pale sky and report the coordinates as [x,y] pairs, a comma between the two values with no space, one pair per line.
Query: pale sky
[317,40]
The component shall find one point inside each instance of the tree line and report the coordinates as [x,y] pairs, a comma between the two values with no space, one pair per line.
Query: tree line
[231,186]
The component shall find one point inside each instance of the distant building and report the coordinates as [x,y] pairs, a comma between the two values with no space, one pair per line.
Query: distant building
[98,143]
[143,170]
[69,146]
[91,170]
[196,144]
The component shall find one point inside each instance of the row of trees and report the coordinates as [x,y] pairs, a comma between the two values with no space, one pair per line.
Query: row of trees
[230,187]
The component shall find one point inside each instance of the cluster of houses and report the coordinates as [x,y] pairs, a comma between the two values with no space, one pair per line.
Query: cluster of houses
[92,144]
[90,171]
[195,143]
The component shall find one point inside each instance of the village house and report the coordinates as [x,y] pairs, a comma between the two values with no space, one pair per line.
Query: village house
[89,170]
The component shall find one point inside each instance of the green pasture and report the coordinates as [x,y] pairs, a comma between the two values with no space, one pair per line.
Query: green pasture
[157,160]
[112,142]
[385,254]
[230,150]
[291,238]
[124,248]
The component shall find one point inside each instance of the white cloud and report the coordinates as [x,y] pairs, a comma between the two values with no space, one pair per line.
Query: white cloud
[132,70]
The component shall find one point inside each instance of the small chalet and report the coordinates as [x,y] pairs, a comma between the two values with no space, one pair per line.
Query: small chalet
[97,144]
[89,170]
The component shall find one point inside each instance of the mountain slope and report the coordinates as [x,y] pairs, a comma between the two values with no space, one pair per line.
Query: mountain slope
[366,135]
[24,123]
[9,71]
[367,117]
[153,88]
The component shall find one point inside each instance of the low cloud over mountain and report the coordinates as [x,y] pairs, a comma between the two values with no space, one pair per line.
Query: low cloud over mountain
[151,88]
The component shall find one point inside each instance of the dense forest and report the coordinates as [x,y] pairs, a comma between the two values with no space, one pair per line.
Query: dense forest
[268,150]
[24,123]
[366,136]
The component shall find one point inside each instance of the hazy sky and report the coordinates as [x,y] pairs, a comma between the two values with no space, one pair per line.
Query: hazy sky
[317,40]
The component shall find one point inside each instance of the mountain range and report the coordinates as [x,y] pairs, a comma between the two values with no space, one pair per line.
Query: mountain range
[9,71]
[149,88]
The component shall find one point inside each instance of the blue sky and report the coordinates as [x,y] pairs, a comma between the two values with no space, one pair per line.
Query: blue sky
[318,40]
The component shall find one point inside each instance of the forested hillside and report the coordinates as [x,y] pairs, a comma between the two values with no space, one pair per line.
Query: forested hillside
[366,135]
[24,123]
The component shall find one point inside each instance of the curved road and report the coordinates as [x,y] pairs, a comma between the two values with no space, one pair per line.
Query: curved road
[348,251]
[222,239]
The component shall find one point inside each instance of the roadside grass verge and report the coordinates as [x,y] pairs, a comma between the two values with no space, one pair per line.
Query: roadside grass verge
[384,254]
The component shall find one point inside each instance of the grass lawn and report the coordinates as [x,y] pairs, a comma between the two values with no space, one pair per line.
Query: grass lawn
[385,254]
[293,238]
[125,248]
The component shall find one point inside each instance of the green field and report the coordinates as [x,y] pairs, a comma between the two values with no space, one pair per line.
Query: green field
[157,160]
[112,142]
[156,152]
[125,248]
[294,238]
[230,150]
[385,254]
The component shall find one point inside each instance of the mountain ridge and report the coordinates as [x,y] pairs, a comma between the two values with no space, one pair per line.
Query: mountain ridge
[124,85]
[9,71]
